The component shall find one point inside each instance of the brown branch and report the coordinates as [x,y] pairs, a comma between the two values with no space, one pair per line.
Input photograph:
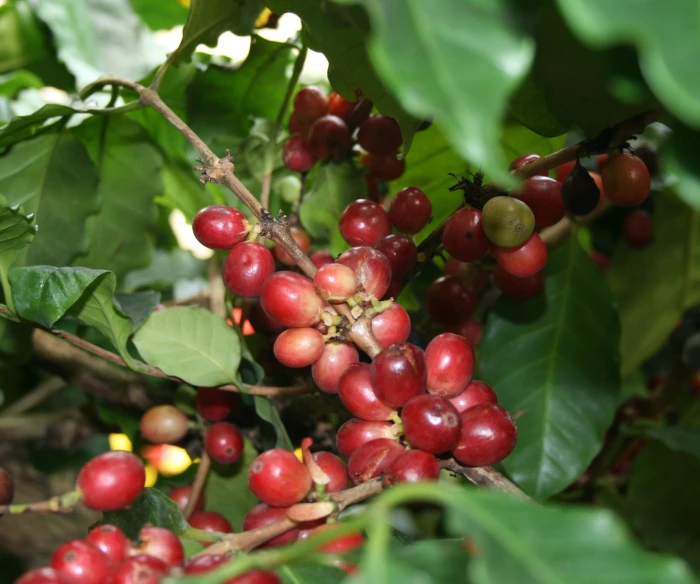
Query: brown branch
[43,391]
[198,484]
[485,476]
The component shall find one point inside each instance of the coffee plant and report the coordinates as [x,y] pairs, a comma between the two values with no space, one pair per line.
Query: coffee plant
[429,314]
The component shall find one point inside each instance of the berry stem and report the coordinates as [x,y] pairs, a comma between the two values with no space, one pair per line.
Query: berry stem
[198,485]
[59,504]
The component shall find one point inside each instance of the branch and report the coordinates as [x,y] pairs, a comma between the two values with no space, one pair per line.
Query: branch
[198,485]
[42,391]
[485,476]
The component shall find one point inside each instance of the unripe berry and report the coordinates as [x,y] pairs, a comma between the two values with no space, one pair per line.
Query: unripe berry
[164,424]
[224,443]
[111,480]
[220,227]
[278,478]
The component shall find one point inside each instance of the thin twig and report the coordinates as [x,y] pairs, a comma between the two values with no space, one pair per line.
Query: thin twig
[485,476]
[198,485]
[37,395]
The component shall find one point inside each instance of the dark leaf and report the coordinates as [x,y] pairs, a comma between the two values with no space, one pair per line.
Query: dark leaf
[151,507]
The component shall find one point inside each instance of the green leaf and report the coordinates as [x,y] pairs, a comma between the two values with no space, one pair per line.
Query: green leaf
[22,128]
[639,280]
[529,106]
[15,343]
[677,161]
[165,270]
[190,343]
[554,362]
[16,232]
[23,42]
[53,178]
[433,561]
[152,507]
[267,411]
[417,48]
[207,19]
[677,438]
[335,187]
[138,306]
[14,82]
[129,167]
[182,191]
[127,424]
[310,573]
[160,14]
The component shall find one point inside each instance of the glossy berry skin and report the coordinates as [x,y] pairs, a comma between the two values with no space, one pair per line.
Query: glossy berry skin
[431,423]
[471,330]
[295,126]
[82,562]
[371,267]
[357,394]
[477,392]
[449,302]
[44,576]
[162,544]
[386,167]
[181,495]
[111,480]
[224,443]
[141,569]
[290,299]
[391,326]
[454,267]
[7,487]
[626,180]
[412,466]
[335,282]
[401,252]
[410,210]
[303,241]
[213,404]
[521,161]
[262,515]
[299,347]
[329,137]
[369,460]
[246,268]
[336,358]
[110,540]
[321,258]
[354,433]
[488,436]
[519,288]
[638,228]
[220,227]
[277,478]
[543,195]
[339,106]
[210,521]
[164,424]
[464,237]
[507,221]
[204,564]
[255,577]
[523,261]
[379,135]
[340,545]
[364,222]
[310,103]
[334,468]
[296,154]
[398,374]
[563,170]
[449,361]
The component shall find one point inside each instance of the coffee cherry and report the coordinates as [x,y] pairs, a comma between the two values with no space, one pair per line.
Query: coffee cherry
[111,480]
[448,302]
[44,576]
[220,227]
[339,106]
[638,228]
[334,468]
[385,167]
[369,460]
[626,180]
[329,137]
[488,435]
[341,544]
[357,394]
[398,374]
[181,495]
[110,540]
[290,299]
[364,222]
[543,195]
[335,282]
[295,126]
[371,267]
[277,478]
[579,191]
[449,361]
[82,562]
[471,330]
[299,347]
[410,210]
[310,104]
[224,443]
[214,404]
[526,159]
[431,423]
[262,515]
[296,154]
[255,577]
[7,487]
[161,543]
[204,564]
[379,135]
[321,258]
[336,358]
[563,170]
[210,521]
[164,425]
[525,260]
[411,466]
[141,569]
[303,241]
[391,326]
[354,433]
[507,221]
[246,268]
[519,288]
[477,392]
[454,267]
[464,236]
[400,251]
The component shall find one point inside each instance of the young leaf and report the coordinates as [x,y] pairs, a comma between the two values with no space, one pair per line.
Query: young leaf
[138,306]
[152,507]
[160,15]
[165,270]
[678,438]
[22,128]
[267,411]
[16,232]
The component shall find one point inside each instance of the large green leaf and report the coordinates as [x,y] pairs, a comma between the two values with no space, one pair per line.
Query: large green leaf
[310,573]
[23,43]
[678,161]
[655,285]
[182,190]
[52,177]
[430,561]
[24,127]
[267,411]
[152,507]
[14,82]
[129,167]
[160,14]
[190,343]
[677,438]
[166,269]
[16,232]
[529,106]
[554,363]
[138,306]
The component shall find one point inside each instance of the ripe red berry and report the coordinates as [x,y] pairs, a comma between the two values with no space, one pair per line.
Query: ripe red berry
[290,299]
[369,460]
[278,478]
[364,222]
[262,515]
[340,545]
[401,252]
[296,154]
[335,282]
[385,167]
[299,347]
[464,237]
[379,135]
[141,569]
[110,540]
[44,576]
[449,361]
[204,564]
[7,487]
[526,159]
[181,495]
[334,468]
[371,267]
[357,394]
[224,443]
[213,404]
[524,260]
[563,170]
[310,104]
[220,227]
[164,424]
[543,195]
[488,435]
[111,480]
[336,358]
[626,180]
[638,228]
[412,466]
[246,268]
[477,392]
[210,521]
[321,258]
[303,241]
[454,267]
[82,562]
[398,374]
[448,302]
[471,330]
[162,544]
[431,423]
[391,326]
[410,210]
[519,288]
[255,577]
[295,126]
[329,137]
[600,160]
[354,433]
[339,106]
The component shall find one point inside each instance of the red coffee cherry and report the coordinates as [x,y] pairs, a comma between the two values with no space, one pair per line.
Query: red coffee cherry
[379,135]
[164,424]
[431,423]
[364,222]
[385,167]
[290,299]
[335,282]
[454,267]
[224,443]
[526,159]
[246,268]
[449,302]
[82,562]
[110,540]
[295,126]
[220,227]
[488,436]
[400,251]
[7,487]
[412,466]
[464,237]
[303,241]
[340,545]
[296,154]
[204,564]
[410,210]
[44,576]
[638,228]
[354,433]
[299,347]
[336,358]
[277,478]
[162,544]
[334,468]
[339,106]
[519,288]
[210,521]
[626,180]
[321,258]
[111,481]
[398,374]
[310,104]
[524,260]
[357,394]
[371,267]
[543,195]
[391,326]
[449,361]
[477,392]
[329,137]
[141,569]
[471,330]
[214,404]
[369,460]
[262,515]
[255,577]
[181,495]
